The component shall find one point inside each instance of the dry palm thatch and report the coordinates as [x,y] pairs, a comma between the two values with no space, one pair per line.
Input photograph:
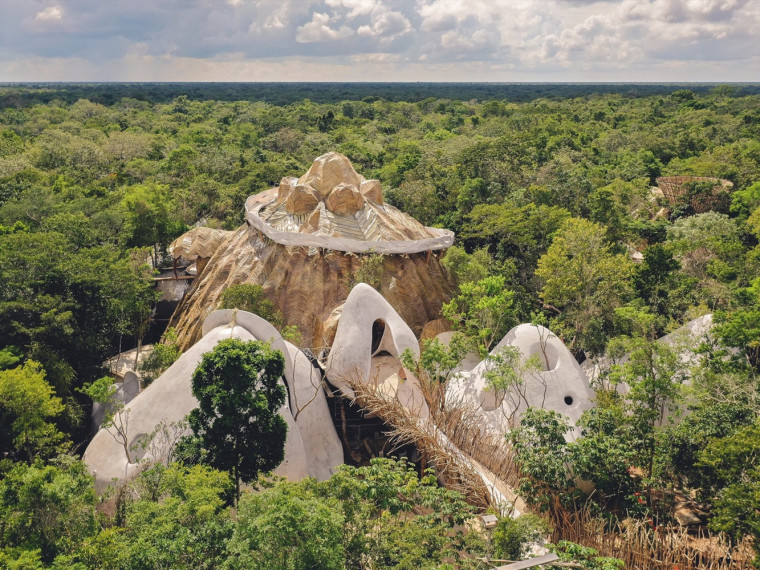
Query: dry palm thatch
[641,547]
[198,242]
[456,471]
[307,261]
[676,189]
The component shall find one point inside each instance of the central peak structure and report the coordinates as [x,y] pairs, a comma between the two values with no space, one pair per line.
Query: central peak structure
[303,243]
[334,207]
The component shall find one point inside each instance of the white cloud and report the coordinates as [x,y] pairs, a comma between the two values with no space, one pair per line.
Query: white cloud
[51,13]
[467,40]
[319,30]
[356,7]
[387,25]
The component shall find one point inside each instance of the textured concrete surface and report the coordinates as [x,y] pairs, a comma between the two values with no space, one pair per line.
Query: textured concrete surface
[169,399]
[351,353]
[559,385]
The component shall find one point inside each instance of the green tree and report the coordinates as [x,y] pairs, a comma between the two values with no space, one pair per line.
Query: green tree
[583,282]
[745,201]
[164,354]
[380,530]
[174,517]
[654,278]
[251,298]
[369,271]
[606,451]
[288,527]
[584,557]
[239,394]
[542,454]
[435,366]
[148,219]
[467,267]
[29,408]
[735,466]
[483,311]
[512,538]
[67,308]
[505,376]
[116,415]
[515,232]
[654,371]
[47,507]
[740,327]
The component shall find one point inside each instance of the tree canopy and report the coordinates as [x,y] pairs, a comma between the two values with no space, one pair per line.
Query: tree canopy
[239,394]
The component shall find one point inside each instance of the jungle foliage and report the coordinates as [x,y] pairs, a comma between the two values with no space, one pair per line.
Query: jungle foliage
[549,194]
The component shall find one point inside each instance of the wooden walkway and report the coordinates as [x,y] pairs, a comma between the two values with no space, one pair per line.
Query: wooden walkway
[531,563]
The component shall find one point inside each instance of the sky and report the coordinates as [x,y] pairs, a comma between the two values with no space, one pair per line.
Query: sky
[380,40]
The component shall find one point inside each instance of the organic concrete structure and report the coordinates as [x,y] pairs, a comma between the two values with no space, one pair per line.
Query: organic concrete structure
[371,337]
[556,382]
[124,393]
[312,447]
[369,342]
[304,242]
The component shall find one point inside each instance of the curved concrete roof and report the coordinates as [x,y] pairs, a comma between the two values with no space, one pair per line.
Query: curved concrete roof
[560,384]
[312,447]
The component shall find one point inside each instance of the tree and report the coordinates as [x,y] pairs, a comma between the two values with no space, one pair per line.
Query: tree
[163,356]
[542,454]
[654,371]
[740,328]
[116,415]
[703,241]
[513,538]
[654,278]
[47,507]
[251,298]
[435,366]
[583,282]
[482,311]
[148,220]
[505,375]
[518,233]
[288,526]
[28,406]
[467,267]
[605,453]
[175,517]
[746,201]
[733,461]
[238,389]
[66,307]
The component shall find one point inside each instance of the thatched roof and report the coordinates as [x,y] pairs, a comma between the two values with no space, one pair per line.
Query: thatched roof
[198,242]
[675,188]
[333,207]
[303,243]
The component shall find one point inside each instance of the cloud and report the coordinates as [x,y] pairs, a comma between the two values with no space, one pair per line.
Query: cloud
[355,7]
[387,25]
[494,40]
[51,13]
[319,30]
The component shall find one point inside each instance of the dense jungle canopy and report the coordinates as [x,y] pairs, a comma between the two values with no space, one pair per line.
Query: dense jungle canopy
[549,190]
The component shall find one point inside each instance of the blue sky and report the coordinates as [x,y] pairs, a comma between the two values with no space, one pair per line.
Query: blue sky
[379,40]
